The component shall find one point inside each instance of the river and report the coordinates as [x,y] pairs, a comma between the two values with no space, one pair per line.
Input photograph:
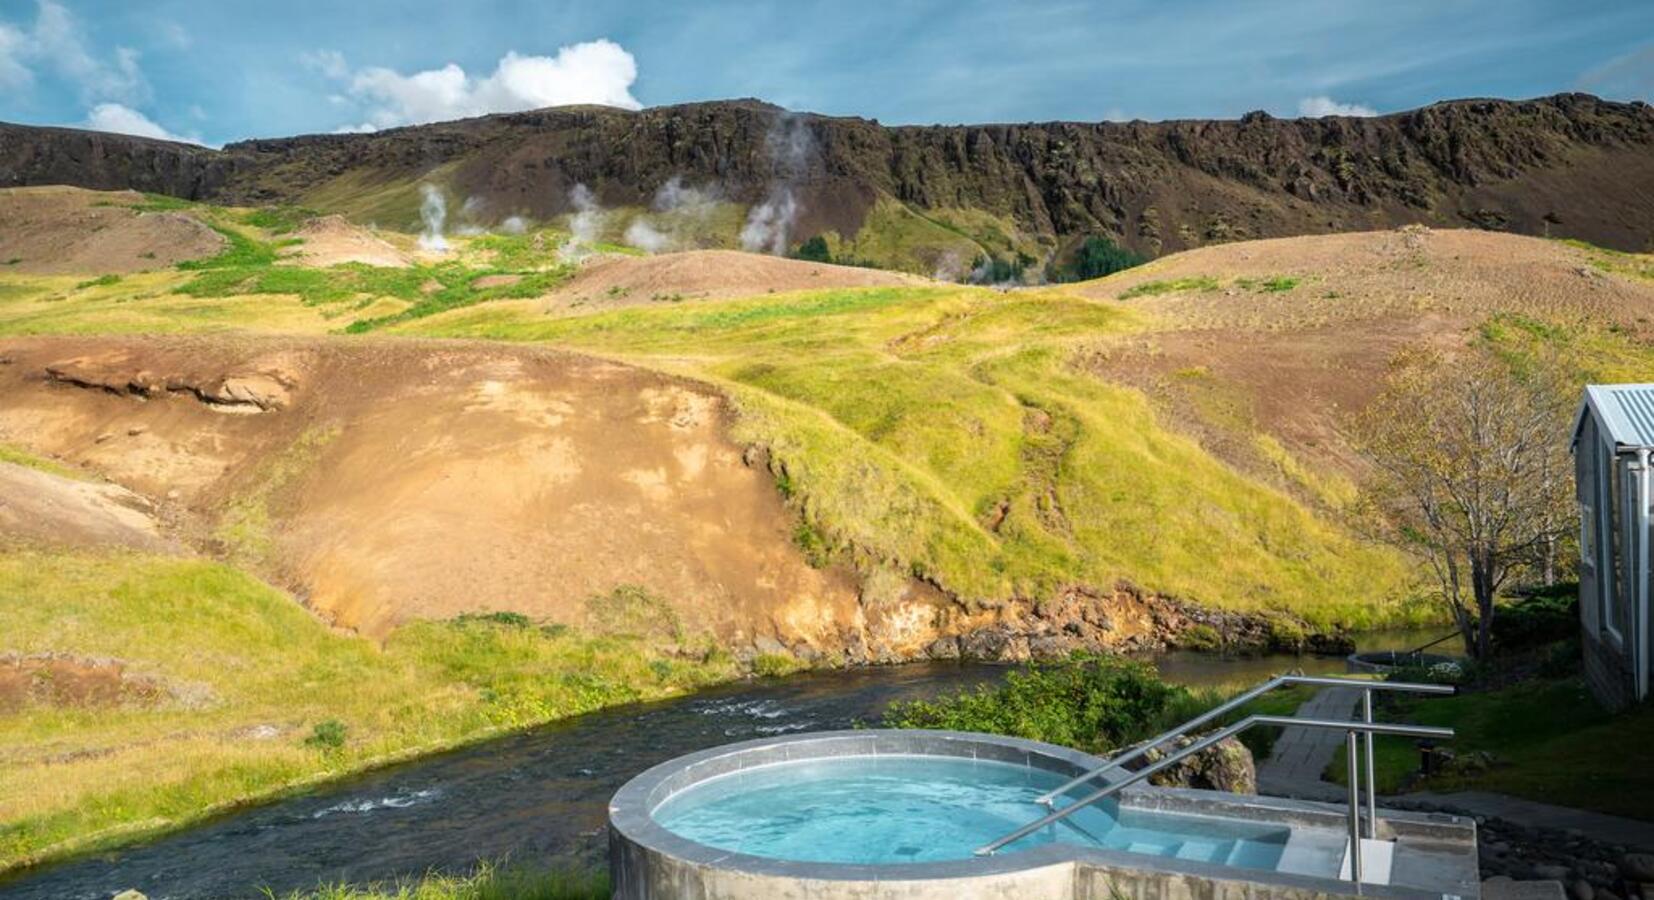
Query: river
[535,795]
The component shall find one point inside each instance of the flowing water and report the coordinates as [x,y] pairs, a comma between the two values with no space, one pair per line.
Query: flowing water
[531,796]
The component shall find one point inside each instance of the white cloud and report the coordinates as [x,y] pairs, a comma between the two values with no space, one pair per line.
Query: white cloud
[13,73]
[55,43]
[1316,107]
[126,120]
[328,62]
[600,72]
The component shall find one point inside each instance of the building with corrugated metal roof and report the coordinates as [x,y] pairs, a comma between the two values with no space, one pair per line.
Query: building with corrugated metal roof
[1613,443]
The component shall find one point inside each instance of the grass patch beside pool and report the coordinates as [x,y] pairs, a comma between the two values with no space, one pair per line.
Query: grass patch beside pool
[1550,740]
[487,883]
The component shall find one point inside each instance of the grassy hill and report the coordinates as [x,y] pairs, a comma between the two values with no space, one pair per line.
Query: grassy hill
[1178,426]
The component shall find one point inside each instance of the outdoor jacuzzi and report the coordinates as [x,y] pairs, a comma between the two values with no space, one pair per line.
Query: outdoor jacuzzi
[872,814]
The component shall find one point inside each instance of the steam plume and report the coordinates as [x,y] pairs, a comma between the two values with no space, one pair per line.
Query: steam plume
[433,211]
[585,226]
[676,216]
[790,146]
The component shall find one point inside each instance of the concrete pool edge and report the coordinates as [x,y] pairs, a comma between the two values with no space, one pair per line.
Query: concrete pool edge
[650,862]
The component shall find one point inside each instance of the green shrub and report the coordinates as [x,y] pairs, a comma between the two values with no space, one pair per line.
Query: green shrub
[1097,257]
[502,617]
[1287,634]
[814,250]
[774,665]
[1200,637]
[328,735]
[100,281]
[1539,618]
[1093,703]
[816,550]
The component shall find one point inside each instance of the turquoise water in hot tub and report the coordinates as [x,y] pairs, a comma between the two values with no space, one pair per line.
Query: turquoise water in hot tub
[908,809]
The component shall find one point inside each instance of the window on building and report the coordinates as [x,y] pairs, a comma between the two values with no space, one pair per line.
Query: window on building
[1588,536]
[1616,580]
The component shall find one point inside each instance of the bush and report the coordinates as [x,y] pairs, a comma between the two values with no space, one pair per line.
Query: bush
[100,281]
[1097,257]
[1200,637]
[1093,703]
[774,665]
[814,250]
[329,735]
[1539,618]
[502,617]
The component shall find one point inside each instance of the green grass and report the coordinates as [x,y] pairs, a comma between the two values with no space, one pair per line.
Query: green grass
[18,456]
[894,236]
[248,676]
[904,416]
[1553,743]
[488,883]
[1631,265]
[1273,285]
[279,219]
[1171,286]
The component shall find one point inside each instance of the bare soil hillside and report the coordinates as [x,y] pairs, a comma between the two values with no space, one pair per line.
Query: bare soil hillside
[618,280]
[49,508]
[388,481]
[69,231]
[1293,335]
[331,240]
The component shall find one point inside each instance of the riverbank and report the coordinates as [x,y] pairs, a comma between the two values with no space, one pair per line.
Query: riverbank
[144,693]
[538,795]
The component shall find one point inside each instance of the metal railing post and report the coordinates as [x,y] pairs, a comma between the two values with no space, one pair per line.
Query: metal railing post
[1345,725]
[1355,811]
[1372,785]
[1130,754]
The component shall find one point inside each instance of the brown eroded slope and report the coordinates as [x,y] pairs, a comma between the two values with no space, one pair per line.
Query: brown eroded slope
[1290,336]
[66,231]
[46,507]
[385,481]
[331,240]
[618,280]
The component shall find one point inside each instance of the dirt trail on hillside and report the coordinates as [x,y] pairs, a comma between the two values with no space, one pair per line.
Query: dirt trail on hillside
[385,481]
[616,280]
[69,231]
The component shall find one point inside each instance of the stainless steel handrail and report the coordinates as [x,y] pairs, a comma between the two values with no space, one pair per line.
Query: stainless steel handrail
[1353,727]
[1049,797]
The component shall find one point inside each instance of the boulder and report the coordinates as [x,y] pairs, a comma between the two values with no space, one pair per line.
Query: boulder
[1224,766]
[1637,867]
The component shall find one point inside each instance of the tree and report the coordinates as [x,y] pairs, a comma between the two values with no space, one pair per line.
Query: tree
[814,250]
[1472,473]
[1100,256]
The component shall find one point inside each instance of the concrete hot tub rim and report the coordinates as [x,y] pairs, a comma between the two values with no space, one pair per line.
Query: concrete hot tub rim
[641,846]
[631,811]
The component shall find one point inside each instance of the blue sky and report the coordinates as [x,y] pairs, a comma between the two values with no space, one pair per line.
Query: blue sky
[232,69]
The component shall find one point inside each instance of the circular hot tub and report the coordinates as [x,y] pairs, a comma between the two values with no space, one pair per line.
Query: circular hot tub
[888,813]
[1384,662]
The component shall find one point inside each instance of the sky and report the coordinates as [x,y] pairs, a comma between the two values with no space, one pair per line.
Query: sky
[216,71]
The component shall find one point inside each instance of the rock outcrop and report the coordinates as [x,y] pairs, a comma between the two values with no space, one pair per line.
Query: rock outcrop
[1570,165]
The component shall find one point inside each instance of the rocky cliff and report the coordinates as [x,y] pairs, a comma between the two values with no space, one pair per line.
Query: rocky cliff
[1569,165]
